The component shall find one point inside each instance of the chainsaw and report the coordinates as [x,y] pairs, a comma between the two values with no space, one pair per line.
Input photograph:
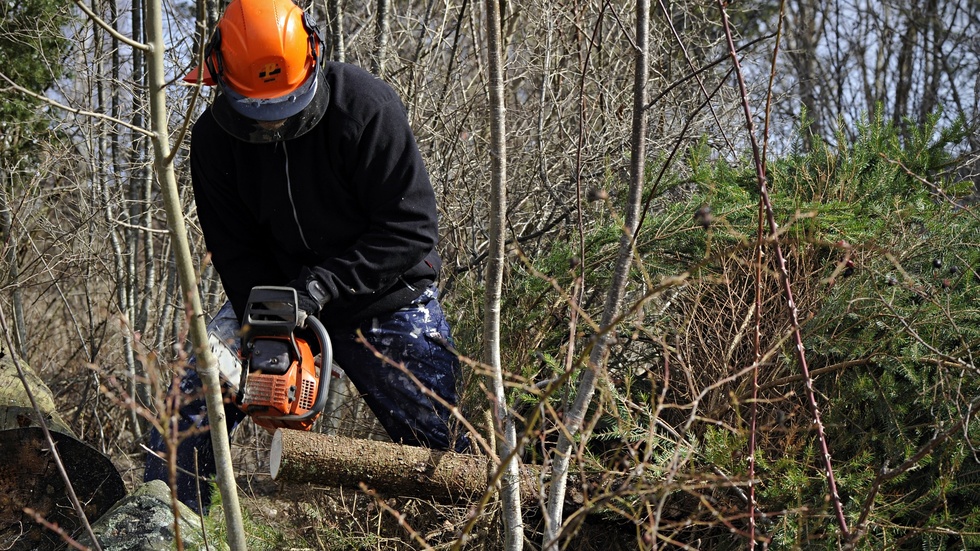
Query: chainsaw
[283,385]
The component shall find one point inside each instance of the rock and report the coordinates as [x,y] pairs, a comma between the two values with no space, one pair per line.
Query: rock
[144,521]
[16,410]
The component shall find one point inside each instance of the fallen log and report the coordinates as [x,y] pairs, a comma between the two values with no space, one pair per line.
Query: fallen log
[392,469]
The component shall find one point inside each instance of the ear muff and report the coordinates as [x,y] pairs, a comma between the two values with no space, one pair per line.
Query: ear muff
[316,41]
[213,59]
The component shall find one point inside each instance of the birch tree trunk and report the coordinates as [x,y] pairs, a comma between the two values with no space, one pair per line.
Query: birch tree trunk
[187,274]
[8,247]
[503,419]
[381,38]
[335,29]
[575,416]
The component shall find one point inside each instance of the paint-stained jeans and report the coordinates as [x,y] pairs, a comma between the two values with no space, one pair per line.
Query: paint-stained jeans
[416,337]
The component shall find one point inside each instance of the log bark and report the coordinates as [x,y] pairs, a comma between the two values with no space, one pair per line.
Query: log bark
[391,469]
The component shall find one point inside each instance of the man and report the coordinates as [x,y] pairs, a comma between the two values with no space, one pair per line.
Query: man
[307,174]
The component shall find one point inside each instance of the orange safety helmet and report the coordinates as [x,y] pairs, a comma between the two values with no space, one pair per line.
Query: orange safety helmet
[264,57]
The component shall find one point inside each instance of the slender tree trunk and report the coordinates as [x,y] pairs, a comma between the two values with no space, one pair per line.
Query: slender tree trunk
[335,28]
[105,173]
[496,262]
[575,416]
[381,38]
[8,244]
[212,11]
[934,56]
[906,75]
[142,184]
[806,31]
[875,95]
[206,366]
[167,310]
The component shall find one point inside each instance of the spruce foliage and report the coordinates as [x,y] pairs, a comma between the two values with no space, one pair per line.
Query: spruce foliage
[885,268]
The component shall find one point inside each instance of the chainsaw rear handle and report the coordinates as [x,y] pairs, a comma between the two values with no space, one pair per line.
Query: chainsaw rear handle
[275,311]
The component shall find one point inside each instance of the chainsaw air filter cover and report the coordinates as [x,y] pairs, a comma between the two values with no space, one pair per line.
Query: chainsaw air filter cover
[270,356]
[283,384]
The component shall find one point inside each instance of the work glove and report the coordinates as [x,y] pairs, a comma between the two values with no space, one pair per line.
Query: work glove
[311,295]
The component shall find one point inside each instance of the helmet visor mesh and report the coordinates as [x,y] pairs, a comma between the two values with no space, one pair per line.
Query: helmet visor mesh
[294,122]
[272,109]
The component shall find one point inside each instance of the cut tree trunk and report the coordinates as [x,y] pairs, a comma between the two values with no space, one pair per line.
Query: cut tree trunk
[29,477]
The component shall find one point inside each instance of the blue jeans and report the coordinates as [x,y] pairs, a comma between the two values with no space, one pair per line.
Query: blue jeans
[416,336]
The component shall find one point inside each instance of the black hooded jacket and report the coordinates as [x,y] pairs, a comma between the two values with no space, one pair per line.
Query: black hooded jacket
[349,203]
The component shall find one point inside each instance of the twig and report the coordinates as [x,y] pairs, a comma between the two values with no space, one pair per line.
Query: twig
[113,32]
[816,372]
[197,93]
[932,187]
[399,516]
[886,474]
[785,278]
[54,528]
[63,107]
[757,310]
[697,76]
[200,505]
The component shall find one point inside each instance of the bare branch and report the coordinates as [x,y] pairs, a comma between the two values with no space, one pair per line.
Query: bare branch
[64,107]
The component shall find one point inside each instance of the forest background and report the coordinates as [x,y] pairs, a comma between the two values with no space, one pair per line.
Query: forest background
[788,355]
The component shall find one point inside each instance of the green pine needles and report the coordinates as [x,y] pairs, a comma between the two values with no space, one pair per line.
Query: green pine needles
[884,257]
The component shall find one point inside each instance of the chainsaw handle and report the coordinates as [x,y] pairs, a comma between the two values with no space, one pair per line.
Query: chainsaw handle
[326,363]
[326,366]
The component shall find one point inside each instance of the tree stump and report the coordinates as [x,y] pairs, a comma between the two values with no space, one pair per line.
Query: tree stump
[29,477]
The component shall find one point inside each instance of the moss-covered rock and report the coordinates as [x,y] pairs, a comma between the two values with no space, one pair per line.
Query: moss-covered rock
[144,521]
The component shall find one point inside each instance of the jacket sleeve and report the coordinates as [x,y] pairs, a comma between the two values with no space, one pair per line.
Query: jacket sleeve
[388,177]
[241,253]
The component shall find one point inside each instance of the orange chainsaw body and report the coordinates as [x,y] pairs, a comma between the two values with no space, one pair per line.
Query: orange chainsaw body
[268,397]
[282,384]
